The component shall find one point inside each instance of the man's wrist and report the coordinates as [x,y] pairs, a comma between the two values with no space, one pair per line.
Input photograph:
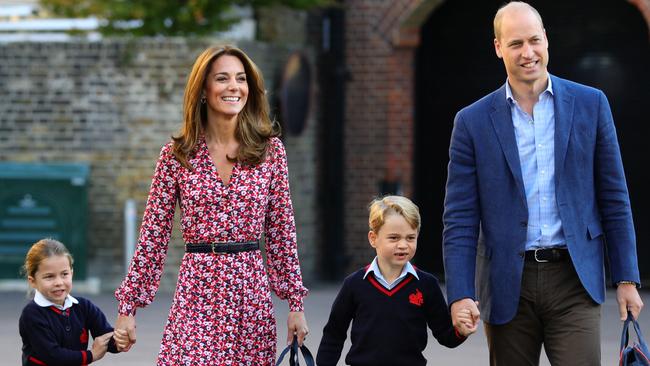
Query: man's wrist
[625,282]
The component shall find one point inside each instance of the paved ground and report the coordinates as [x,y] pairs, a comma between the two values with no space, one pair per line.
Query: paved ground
[151,321]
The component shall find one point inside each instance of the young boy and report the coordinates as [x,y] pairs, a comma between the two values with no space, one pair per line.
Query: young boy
[390,302]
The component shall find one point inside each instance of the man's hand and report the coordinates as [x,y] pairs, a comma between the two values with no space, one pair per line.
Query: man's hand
[465,306]
[124,332]
[628,299]
[297,326]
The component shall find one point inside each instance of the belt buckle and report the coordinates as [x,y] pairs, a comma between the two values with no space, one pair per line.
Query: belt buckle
[213,245]
[539,260]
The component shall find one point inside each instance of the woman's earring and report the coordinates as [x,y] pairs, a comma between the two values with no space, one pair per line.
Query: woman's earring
[203,100]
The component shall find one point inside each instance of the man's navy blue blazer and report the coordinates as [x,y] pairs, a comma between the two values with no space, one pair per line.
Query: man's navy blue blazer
[486,214]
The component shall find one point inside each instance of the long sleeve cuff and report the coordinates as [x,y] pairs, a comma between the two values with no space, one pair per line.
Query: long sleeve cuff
[296,303]
[458,335]
[126,309]
[87,357]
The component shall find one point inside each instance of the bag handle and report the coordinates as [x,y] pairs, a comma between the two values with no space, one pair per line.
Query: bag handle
[625,337]
[293,354]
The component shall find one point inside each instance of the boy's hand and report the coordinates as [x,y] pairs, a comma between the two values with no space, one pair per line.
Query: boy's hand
[465,326]
[100,345]
[121,337]
[464,321]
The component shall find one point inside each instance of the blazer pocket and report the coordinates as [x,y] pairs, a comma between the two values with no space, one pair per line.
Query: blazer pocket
[594,230]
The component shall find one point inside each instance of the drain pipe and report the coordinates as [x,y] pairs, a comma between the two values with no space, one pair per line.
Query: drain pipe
[130,213]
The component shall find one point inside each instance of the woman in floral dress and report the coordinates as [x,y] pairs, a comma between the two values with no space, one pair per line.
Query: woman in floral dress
[227,170]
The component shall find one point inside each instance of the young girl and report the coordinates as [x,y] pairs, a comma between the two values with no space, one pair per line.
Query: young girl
[54,326]
[390,302]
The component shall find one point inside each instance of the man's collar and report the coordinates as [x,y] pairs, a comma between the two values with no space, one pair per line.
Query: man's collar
[42,301]
[549,88]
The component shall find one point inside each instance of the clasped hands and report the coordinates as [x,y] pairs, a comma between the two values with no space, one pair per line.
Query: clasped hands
[465,316]
[124,333]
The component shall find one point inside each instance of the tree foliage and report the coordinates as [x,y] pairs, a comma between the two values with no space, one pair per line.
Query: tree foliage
[163,17]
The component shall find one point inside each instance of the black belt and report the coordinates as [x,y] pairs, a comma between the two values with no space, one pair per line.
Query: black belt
[543,255]
[224,247]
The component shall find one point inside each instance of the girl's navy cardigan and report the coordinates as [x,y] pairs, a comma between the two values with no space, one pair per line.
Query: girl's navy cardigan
[60,337]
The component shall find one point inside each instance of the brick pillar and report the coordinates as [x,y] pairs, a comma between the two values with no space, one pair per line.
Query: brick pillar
[379,119]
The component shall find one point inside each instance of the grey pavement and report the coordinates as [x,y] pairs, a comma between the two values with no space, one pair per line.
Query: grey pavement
[152,319]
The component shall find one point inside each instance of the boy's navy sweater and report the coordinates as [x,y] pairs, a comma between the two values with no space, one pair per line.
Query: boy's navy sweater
[60,337]
[389,327]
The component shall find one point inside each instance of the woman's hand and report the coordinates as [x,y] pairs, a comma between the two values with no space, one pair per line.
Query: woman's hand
[297,326]
[124,332]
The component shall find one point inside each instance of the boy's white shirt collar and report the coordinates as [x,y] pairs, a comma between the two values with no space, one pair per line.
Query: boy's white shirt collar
[374,267]
[42,301]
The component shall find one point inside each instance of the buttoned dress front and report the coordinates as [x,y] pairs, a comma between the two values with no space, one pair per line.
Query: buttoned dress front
[221,313]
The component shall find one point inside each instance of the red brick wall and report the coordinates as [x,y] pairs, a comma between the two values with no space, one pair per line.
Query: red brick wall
[379,114]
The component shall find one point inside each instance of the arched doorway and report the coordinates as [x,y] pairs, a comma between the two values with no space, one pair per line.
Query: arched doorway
[603,43]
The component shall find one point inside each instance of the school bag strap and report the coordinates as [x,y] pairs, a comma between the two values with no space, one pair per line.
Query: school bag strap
[636,354]
[292,349]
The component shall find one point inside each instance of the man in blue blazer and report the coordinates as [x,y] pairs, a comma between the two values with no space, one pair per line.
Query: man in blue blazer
[536,199]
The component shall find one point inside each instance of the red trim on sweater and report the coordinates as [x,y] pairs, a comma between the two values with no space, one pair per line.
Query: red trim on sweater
[84,358]
[58,311]
[36,361]
[373,281]
[458,335]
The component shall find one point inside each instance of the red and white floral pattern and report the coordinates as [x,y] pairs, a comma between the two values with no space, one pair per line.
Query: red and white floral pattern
[222,312]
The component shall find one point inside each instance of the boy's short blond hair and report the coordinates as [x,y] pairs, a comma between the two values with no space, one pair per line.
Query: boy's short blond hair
[383,206]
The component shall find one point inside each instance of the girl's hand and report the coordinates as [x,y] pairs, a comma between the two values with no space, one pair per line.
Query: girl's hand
[100,346]
[121,337]
[297,326]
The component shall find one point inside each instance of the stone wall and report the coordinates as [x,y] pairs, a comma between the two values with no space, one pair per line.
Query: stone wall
[113,104]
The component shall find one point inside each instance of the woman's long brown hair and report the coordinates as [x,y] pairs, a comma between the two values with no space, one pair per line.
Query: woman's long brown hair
[254,126]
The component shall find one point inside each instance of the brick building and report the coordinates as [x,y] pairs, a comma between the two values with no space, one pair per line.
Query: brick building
[389,76]
[411,64]
[113,104]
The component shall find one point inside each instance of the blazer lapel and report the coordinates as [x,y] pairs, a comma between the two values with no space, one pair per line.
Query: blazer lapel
[563,122]
[502,122]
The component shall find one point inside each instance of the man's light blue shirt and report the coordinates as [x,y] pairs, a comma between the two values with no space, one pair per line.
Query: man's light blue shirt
[374,267]
[535,137]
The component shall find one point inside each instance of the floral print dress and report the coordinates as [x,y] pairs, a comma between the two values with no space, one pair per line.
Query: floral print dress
[221,313]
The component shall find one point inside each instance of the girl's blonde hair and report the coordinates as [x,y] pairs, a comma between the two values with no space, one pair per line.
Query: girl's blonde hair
[381,207]
[41,250]
[254,126]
